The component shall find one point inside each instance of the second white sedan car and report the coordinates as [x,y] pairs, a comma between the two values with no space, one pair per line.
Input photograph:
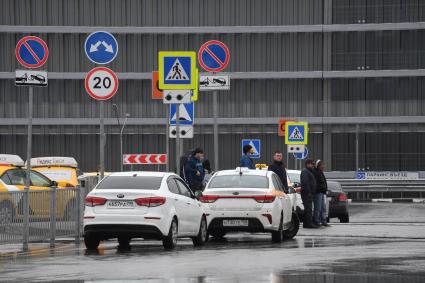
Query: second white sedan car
[251,201]
[149,205]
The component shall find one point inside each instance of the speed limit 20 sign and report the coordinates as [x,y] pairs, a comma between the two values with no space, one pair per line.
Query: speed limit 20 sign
[101,83]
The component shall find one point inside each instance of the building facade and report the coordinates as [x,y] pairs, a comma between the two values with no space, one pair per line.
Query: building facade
[355,70]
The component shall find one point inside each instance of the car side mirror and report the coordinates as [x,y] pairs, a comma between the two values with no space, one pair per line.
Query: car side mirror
[198,195]
[53,184]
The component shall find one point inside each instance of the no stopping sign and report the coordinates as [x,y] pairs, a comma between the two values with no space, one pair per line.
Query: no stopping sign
[101,83]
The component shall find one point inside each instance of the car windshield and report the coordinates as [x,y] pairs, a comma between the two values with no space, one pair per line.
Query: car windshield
[237,181]
[294,177]
[57,174]
[130,183]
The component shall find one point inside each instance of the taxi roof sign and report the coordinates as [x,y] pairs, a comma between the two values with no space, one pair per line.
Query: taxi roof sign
[54,161]
[296,133]
[11,159]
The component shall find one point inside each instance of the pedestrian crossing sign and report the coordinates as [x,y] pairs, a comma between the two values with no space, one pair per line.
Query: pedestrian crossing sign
[296,133]
[177,70]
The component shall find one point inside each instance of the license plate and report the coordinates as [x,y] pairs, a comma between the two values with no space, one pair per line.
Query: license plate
[235,222]
[121,204]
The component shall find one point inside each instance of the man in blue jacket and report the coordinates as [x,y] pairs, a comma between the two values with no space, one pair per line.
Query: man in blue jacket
[246,161]
[194,170]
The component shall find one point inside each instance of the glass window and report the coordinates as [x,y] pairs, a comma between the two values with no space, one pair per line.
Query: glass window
[185,191]
[277,183]
[17,177]
[172,186]
[294,177]
[39,180]
[130,183]
[237,181]
[6,179]
[57,174]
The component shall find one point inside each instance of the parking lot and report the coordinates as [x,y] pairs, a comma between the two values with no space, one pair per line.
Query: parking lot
[383,243]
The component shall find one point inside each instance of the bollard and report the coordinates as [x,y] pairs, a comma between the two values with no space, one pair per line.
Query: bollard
[26,211]
[52,216]
[78,215]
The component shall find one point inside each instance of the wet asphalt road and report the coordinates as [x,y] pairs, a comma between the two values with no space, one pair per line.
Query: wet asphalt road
[383,243]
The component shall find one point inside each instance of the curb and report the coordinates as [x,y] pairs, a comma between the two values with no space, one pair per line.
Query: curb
[388,200]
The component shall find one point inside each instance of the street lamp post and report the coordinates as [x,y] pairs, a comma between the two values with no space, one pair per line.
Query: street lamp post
[115,107]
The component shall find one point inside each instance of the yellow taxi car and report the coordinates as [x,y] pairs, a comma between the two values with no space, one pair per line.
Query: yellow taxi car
[13,179]
[63,170]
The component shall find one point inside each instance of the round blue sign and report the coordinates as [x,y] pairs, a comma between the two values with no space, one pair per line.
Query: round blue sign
[101,47]
[301,155]
[213,56]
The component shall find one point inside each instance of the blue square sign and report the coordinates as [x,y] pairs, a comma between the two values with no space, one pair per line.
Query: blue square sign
[186,113]
[296,133]
[256,145]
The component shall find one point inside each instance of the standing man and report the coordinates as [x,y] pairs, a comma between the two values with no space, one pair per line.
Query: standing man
[246,161]
[278,167]
[194,170]
[308,189]
[319,215]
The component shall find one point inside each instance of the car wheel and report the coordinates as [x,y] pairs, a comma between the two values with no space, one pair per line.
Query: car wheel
[6,212]
[217,233]
[277,235]
[91,242]
[170,241]
[293,229]
[202,236]
[124,242]
[344,219]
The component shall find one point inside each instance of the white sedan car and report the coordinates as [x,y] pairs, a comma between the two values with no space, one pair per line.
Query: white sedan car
[251,201]
[149,205]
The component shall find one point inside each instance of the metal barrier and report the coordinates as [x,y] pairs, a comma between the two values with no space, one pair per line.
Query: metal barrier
[380,189]
[37,215]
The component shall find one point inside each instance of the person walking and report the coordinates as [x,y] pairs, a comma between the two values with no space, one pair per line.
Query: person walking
[278,167]
[319,214]
[194,170]
[308,189]
[245,160]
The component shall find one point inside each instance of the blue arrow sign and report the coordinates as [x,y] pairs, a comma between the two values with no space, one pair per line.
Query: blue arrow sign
[186,114]
[256,145]
[101,47]
[301,155]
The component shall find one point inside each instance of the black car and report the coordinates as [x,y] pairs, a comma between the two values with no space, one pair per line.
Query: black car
[338,203]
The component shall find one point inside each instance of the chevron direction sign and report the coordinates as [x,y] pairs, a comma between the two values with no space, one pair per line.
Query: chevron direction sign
[144,159]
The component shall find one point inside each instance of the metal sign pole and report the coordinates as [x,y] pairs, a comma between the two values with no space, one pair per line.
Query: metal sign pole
[178,139]
[28,176]
[102,140]
[167,141]
[215,115]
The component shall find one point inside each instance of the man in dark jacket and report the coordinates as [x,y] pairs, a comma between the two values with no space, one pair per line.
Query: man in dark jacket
[319,214]
[194,170]
[246,161]
[278,167]
[308,189]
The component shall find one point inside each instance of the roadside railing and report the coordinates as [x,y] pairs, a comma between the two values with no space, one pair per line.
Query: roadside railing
[40,215]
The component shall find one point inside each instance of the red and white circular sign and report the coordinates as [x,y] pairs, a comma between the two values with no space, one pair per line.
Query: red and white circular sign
[101,83]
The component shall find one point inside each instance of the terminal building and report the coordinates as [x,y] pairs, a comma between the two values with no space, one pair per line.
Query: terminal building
[354,70]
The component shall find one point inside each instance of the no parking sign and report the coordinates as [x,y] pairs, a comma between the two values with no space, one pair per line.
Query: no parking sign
[213,56]
[31,52]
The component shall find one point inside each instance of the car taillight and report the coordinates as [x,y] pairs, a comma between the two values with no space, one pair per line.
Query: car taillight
[94,201]
[342,197]
[150,202]
[298,190]
[265,198]
[208,198]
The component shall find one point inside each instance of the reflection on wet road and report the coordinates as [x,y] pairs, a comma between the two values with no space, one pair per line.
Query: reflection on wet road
[343,253]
